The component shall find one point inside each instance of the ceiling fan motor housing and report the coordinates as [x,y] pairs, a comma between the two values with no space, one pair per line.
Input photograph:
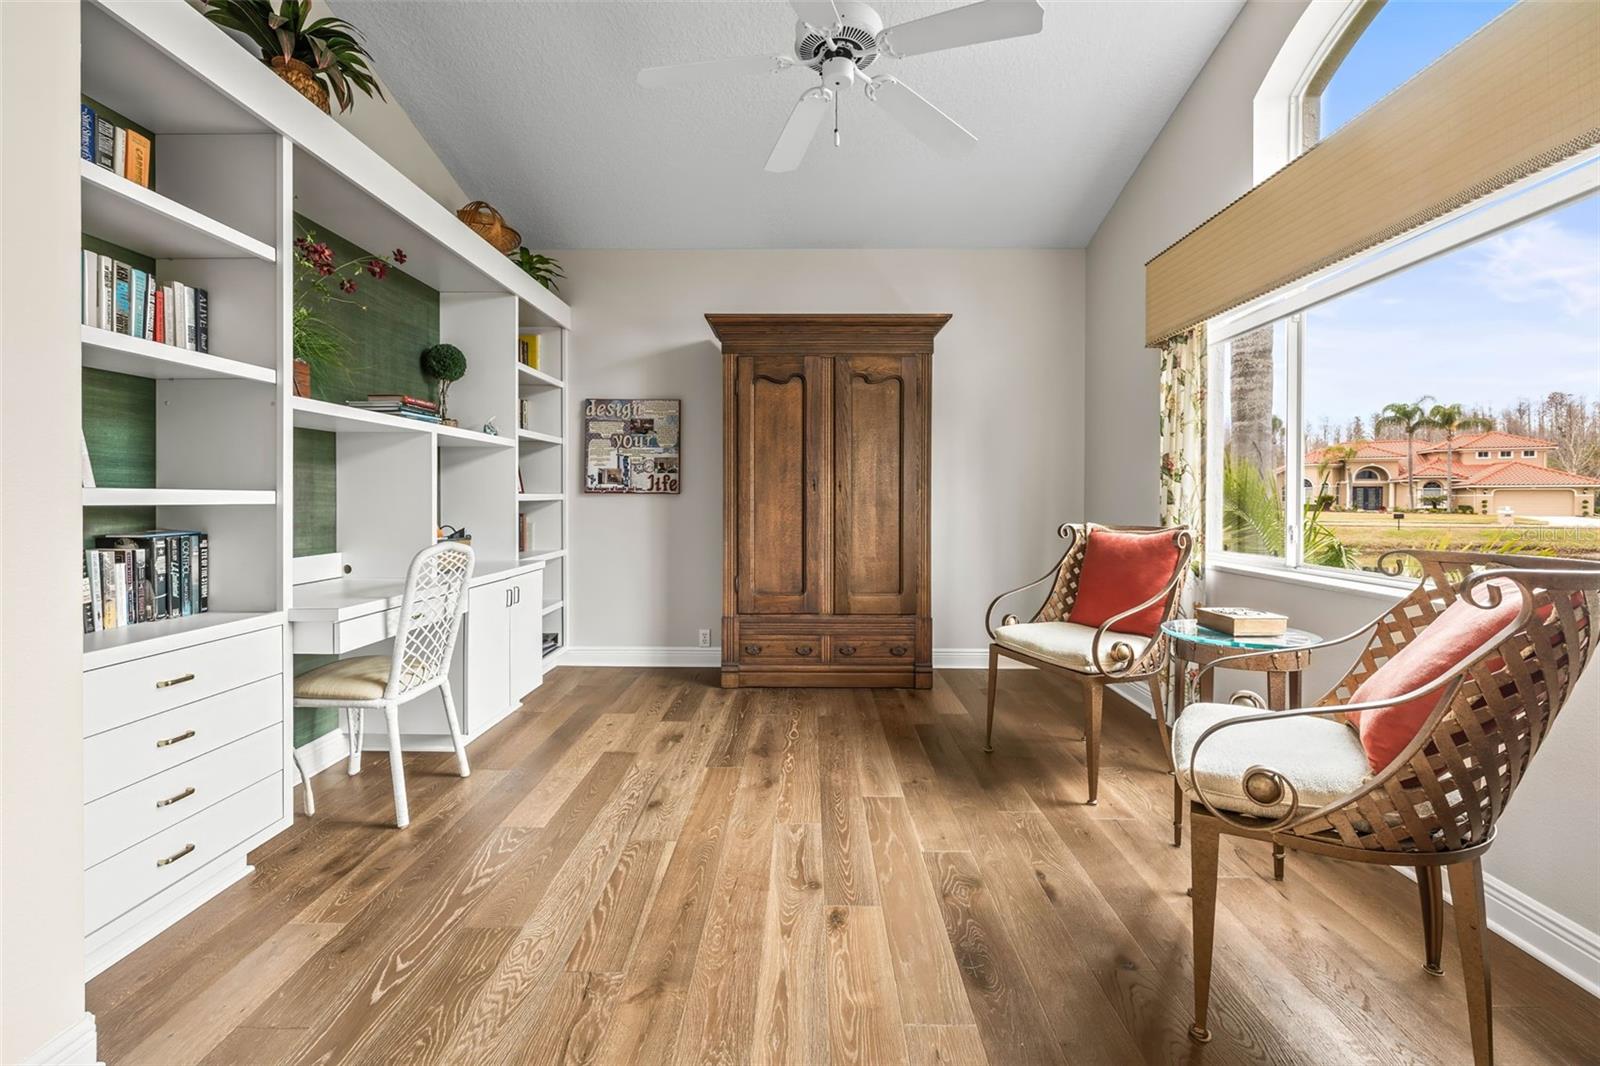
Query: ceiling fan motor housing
[856,40]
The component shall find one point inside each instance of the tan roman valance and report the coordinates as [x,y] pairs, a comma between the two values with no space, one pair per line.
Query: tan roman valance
[1521,95]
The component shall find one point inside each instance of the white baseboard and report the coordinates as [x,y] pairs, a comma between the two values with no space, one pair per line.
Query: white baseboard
[76,1045]
[943,658]
[1550,937]
[122,936]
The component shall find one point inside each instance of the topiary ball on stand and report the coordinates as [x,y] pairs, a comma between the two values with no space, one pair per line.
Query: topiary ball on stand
[444,363]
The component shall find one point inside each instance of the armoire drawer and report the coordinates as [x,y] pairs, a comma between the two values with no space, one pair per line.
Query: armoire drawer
[874,648]
[756,646]
[128,691]
[130,877]
[119,757]
[145,808]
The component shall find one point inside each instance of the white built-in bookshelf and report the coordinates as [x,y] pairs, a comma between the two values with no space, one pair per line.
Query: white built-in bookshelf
[237,154]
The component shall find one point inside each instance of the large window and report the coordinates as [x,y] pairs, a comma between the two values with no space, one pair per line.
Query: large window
[1440,392]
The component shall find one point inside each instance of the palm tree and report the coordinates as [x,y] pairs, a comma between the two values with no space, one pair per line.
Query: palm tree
[1409,418]
[1452,418]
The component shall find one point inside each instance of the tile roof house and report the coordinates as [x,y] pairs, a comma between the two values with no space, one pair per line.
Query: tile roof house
[1487,471]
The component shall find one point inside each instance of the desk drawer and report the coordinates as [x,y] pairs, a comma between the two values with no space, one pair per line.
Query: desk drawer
[871,648]
[129,691]
[119,757]
[147,807]
[130,877]
[758,646]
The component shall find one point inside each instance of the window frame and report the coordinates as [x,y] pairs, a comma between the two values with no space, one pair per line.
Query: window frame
[1322,37]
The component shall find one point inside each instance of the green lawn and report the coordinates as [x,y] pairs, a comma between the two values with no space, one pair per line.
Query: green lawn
[1370,534]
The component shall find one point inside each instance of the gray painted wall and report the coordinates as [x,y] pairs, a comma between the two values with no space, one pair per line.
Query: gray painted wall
[1007,404]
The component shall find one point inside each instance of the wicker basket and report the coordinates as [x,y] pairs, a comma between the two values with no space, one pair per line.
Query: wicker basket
[302,78]
[487,223]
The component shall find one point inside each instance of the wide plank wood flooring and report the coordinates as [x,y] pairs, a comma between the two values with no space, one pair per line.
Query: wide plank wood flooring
[644,868]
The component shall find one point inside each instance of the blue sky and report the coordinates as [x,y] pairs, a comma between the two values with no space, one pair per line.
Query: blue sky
[1514,316]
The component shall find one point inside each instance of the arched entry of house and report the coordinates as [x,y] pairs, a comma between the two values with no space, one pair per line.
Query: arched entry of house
[1433,495]
[1367,491]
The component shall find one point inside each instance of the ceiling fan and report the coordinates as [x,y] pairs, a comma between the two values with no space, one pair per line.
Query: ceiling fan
[840,40]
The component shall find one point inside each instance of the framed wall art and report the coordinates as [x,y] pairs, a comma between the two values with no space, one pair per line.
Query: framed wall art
[631,446]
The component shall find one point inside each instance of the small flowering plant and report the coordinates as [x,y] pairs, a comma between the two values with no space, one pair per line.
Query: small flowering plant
[320,282]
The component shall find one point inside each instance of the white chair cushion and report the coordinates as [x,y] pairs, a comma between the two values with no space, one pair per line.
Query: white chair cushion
[362,678]
[1321,756]
[1066,643]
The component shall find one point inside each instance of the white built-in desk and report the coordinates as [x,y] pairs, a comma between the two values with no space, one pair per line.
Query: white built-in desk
[498,658]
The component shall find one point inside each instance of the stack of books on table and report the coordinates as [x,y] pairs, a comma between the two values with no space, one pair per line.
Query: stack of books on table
[144,577]
[396,404]
[130,301]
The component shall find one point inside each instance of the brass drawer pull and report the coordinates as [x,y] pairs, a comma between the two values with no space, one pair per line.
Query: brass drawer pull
[185,735]
[169,682]
[898,649]
[752,649]
[170,859]
[170,800]
[803,649]
[847,649]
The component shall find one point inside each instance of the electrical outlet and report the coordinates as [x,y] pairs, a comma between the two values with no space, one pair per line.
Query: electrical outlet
[705,638]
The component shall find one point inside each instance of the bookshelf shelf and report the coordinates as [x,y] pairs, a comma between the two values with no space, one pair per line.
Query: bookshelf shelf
[542,556]
[537,379]
[179,497]
[539,497]
[456,437]
[337,418]
[552,607]
[126,213]
[110,646]
[105,350]
[533,436]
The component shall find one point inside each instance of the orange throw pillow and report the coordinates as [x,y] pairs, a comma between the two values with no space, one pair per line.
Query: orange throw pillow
[1442,645]
[1122,570]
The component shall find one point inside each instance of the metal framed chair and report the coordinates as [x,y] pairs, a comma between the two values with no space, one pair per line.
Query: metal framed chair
[1301,779]
[430,620]
[1093,657]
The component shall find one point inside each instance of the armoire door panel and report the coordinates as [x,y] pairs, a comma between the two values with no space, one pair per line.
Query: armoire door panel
[783,508]
[878,425]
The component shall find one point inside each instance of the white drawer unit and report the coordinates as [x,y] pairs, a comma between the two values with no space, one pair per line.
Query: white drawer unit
[185,768]
[138,688]
[158,863]
[145,808]
[119,757]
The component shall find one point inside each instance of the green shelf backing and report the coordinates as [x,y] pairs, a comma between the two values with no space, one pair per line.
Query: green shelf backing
[119,426]
[316,508]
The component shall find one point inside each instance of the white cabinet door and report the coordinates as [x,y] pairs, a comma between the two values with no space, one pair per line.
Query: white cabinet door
[527,657]
[488,660]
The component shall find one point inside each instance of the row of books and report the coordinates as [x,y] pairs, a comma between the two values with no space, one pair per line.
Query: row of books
[144,577]
[528,349]
[122,151]
[397,404]
[129,301]
[524,531]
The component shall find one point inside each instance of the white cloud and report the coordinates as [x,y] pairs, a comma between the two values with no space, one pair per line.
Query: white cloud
[1541,261]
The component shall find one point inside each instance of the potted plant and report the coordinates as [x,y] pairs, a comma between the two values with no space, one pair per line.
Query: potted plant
[312,57]
[320,282]
[444,363]
[540,268]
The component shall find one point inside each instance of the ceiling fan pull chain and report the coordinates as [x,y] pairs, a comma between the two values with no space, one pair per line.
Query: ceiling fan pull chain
[836,120]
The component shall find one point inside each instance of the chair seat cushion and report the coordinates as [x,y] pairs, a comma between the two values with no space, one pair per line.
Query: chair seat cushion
[1066,643]
[1323,757]
[362,678]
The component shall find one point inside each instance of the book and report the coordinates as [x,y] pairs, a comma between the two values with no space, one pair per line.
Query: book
[105,143]
[410,401]
[528,349]
[150,309]
[152,550]
[179,313]
[167,334]
[140,286]
[138,162]
[91,288]
[86,120]
[187,329]
[96,602]
[108,292]
[159,317]
[108,583]
[202,321]
[1242,621]
[123,321]
[186,575]
[88,597]
[119,152]
[203,587]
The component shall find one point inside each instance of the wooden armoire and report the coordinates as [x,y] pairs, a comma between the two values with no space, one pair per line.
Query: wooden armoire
[825,511]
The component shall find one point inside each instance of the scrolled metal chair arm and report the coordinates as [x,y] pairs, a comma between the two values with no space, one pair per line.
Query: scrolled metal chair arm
[1245,695]
[1122,653]
[1067,532]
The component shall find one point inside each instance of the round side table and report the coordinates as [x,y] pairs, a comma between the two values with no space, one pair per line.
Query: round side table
[1283,659]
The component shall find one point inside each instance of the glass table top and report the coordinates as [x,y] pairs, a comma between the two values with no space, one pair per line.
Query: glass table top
[1187,629]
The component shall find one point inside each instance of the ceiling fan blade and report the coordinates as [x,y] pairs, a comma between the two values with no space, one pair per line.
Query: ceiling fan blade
[991,20]
[931,126]
[799,130]
[823,14]
[712,70]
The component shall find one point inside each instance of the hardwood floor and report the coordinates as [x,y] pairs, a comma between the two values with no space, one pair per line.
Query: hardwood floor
[644,868]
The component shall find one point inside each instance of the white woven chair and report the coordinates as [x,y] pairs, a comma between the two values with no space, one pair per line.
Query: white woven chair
[430,619]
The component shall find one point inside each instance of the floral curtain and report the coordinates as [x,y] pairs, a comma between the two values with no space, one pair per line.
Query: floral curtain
[1183,451]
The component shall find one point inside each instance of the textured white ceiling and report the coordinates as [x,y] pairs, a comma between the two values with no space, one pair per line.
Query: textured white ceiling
[534,107]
